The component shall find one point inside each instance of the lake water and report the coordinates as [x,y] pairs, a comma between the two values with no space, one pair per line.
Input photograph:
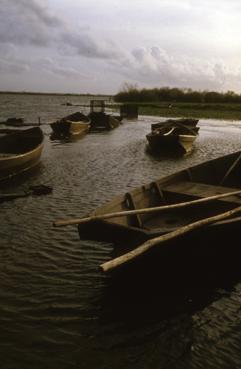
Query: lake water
[56,309]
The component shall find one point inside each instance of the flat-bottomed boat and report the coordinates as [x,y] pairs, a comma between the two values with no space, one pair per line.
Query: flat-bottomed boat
[20,150]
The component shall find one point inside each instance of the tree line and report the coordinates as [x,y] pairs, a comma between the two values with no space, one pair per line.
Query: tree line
[167,94]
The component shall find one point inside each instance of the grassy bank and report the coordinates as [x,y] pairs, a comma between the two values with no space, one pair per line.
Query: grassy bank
[194,110]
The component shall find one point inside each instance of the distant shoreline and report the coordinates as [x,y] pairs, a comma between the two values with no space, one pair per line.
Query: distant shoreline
[220,111]
[50,93]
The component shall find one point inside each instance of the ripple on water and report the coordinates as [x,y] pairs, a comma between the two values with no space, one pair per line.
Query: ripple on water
[53,299]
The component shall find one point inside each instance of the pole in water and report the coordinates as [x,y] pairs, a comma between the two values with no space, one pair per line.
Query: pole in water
[39,121]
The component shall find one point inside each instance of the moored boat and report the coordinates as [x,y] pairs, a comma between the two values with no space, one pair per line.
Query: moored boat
[179,222]
[173,136]
[103,121]
[15,122]
[188,122]
[74,125]
[20,151]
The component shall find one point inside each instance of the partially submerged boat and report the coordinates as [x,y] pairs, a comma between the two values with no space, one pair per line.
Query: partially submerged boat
[20,150]
[173,136]
[74,125]
[180,222]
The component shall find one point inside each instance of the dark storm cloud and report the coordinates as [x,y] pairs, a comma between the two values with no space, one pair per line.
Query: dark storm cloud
[26,22]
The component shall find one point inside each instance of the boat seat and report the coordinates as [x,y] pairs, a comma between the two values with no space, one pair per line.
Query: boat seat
[199,190]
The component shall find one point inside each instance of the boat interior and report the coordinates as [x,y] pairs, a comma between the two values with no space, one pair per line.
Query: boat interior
[21,141]
[214,177]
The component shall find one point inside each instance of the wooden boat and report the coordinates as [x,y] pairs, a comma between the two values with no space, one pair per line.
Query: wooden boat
[15,122]
[74,125]
[178,222]
[103,121]
[20,151]
[175,136]
[188,122]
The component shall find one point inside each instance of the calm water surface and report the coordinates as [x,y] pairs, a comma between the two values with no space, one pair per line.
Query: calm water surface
[56,309]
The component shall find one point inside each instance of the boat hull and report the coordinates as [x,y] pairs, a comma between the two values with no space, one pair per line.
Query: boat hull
[173,136]
[102,121]
[20,151]
[70,129]
[208,245]
[177,144]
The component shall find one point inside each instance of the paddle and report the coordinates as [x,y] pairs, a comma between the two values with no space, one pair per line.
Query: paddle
[112,264]
[60,223]
[230,169]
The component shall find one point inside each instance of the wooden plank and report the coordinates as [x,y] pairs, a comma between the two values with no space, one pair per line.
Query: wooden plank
[154,242]
[195,189]
[143,211]
[132,206]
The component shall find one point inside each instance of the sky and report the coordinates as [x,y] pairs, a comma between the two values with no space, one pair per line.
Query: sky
[101,46]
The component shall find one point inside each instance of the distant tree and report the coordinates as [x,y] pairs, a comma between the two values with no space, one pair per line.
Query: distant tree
[131,93]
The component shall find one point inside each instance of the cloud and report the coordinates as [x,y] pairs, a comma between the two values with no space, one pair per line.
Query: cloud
[29,22]
[155,44]
[9,66]
[9,60]
[52,67]
[155,67]
[85,45]
[26,22]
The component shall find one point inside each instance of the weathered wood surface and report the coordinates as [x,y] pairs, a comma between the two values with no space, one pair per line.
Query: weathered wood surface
[60,223]
[154,242]
[230,169]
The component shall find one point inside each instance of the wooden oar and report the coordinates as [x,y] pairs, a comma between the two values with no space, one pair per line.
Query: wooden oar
[60,223]
[112,264]
[230,169]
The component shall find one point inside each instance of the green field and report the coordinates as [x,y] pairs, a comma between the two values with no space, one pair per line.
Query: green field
[194,110]
[223,111]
